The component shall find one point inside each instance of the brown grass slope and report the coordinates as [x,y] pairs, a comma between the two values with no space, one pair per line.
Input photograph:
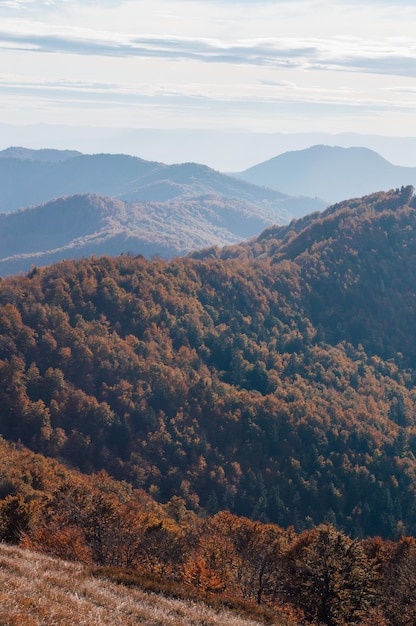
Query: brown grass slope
[38,590]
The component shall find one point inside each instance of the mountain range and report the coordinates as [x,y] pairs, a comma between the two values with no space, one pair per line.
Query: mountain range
[113,204]
[330,172]
[28,179]
[222,149]
[96,204]
[44,155]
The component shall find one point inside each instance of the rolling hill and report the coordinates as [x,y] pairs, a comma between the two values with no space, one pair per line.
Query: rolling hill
[82,225]
[330,173]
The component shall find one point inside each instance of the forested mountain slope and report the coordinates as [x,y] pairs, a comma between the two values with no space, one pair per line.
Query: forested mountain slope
[356,270]
[83,225]
[274,379]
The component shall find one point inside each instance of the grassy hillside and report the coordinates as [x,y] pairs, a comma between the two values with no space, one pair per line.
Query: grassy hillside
[132,558]
[37,590]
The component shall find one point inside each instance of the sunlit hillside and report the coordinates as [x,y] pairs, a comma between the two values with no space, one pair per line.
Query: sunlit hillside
[38,590]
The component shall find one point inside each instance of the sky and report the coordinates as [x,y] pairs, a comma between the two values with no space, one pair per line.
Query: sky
[245,65]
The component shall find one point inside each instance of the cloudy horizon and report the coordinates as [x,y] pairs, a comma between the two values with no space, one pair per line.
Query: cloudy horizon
[246,65]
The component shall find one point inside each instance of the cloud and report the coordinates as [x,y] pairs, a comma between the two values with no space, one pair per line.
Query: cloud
[40,5]
[255,63]
[336,54]
[387,65]
[401,89]
[266,96]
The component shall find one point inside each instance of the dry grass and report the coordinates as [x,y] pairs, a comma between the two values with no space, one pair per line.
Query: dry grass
[38,590]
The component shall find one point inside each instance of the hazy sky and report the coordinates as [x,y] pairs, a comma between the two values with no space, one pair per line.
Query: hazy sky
[278,66]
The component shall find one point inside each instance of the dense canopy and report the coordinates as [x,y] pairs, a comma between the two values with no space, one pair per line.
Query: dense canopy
[274,379]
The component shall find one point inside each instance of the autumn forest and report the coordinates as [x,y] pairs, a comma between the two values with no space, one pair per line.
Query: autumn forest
[240,421]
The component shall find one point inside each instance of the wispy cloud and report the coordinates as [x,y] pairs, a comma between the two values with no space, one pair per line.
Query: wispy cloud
[336,54]
[245,59]
[266,94]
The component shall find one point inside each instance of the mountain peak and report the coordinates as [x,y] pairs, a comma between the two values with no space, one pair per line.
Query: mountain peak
[330,172]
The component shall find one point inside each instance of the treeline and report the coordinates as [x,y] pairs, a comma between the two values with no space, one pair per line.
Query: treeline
[317,576]
[213,380]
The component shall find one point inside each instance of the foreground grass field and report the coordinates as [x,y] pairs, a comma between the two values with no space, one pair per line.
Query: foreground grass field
[38,590]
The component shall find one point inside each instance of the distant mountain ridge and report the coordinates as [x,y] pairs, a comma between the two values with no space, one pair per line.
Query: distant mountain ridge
[330,172]
[110,204]
[113,204]
[31,181]
[46,155]
[28,182]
